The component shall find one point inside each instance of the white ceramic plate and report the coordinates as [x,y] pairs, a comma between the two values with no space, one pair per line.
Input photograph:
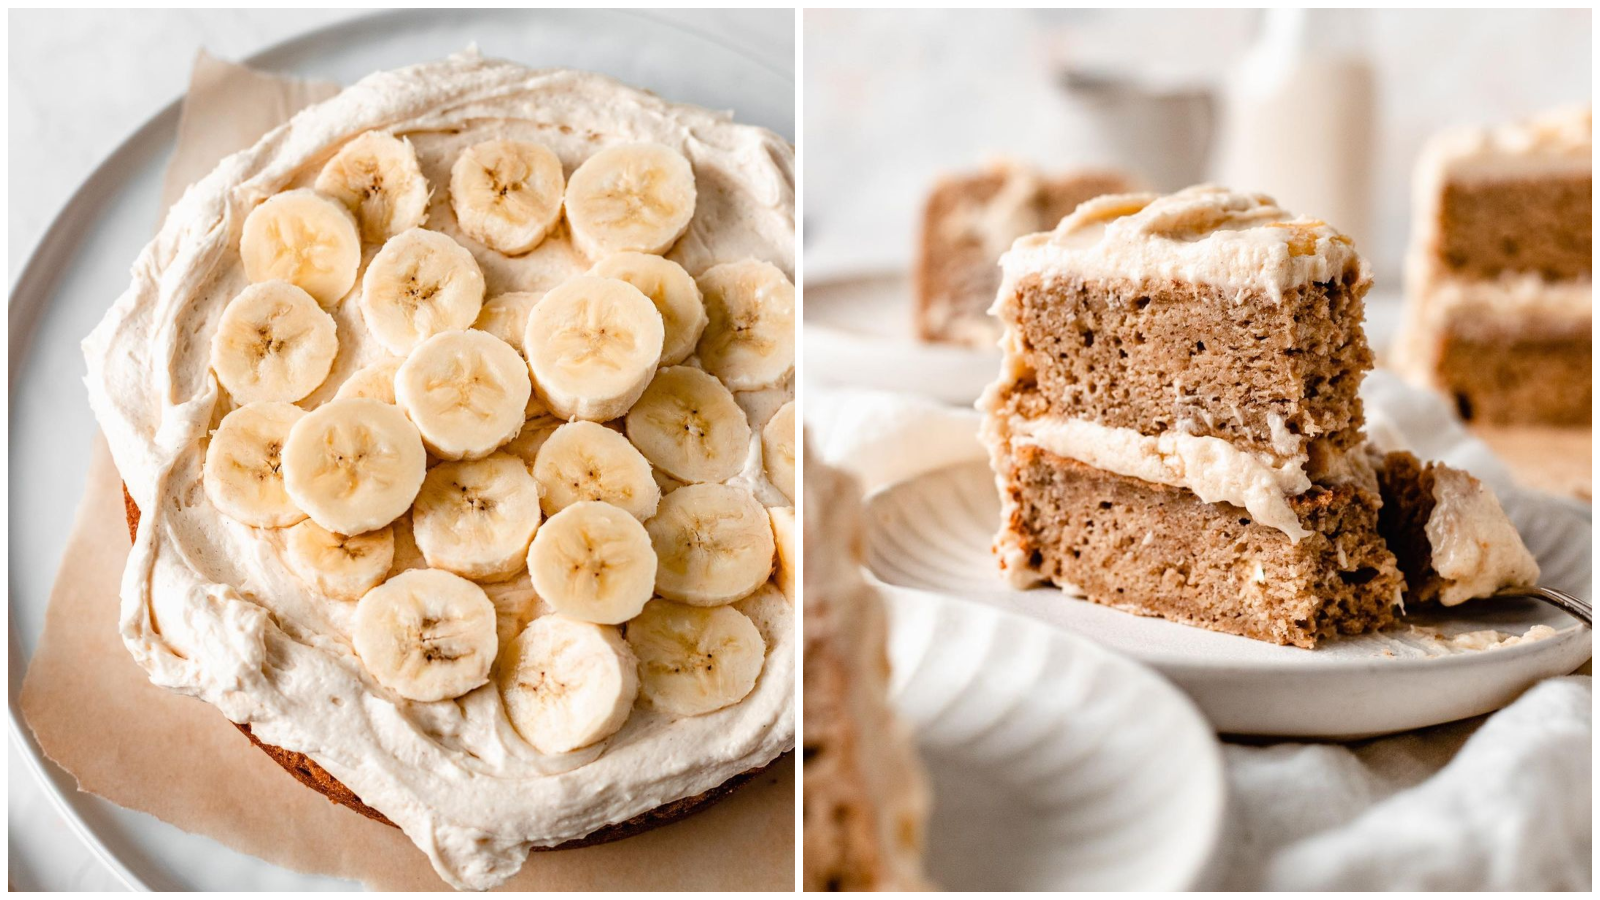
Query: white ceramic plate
[933,532]
[1055,764]
[81,265]
[859,334]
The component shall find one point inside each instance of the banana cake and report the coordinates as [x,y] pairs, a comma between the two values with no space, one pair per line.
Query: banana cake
[968,221]
[456,418]
[1498,292]
[865,799]
[1177,431]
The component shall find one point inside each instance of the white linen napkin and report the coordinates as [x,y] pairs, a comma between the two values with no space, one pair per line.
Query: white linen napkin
[1501,802]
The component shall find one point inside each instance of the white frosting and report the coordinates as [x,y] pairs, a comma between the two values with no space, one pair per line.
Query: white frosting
[1204,235]
[1559,142]
[1476,549]
[1215,470]
[210,609]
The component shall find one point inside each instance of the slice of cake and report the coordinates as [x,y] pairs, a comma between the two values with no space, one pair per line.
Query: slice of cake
[1498,276]
[865,798]
[1176,430]
[1446,528]
[972,218]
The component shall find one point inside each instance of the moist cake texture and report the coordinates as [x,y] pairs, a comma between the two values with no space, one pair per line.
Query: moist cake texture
[1498,276]
[1177,430]
[865,797]
[969,220]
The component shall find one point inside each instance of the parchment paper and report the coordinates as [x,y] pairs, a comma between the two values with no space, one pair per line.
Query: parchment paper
[95,713]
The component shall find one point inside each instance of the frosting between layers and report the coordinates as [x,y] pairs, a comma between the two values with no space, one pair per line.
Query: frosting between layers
[1215,470]
[1204,234]
[1476,549]
[209,607]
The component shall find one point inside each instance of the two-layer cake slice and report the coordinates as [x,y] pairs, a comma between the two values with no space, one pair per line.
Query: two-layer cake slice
[1498,283]
[1176,430]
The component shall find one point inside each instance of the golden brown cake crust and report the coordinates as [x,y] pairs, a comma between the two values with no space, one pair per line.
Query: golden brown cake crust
[306,771]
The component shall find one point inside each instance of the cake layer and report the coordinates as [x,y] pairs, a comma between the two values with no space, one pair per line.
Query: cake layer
[968,222]
[1274,376]
[1161,551]
[1518,381]
[1524,224]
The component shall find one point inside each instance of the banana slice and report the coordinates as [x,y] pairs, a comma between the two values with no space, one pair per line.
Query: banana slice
[714,544]
[342,566]
[506,316]
[419,284]
[375,381]
[769,611]
[353,465]
[476,518]
[530,440]
[593,561]
[783,535]
[749,336]
[243,474]
[305,239]
[777,449]
[670,288]
[377,177]
[592,344]
[426,635]
[689,425]
[273,343]
[567,684]
[631,197]
[585,461]
[465,391]
[507,194]
[693,661]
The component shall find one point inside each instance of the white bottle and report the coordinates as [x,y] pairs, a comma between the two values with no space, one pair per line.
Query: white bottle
[1297,118]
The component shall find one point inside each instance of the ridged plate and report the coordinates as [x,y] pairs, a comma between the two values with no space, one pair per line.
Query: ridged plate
[1055,763]
[932,533]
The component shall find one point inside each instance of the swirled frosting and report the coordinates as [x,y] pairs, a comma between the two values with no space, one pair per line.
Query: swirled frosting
[210,608]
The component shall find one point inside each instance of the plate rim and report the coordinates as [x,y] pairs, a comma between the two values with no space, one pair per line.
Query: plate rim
[35,282]
[1217,797]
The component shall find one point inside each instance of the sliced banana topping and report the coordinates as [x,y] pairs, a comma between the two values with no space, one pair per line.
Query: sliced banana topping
[305,239]
[592,344]
[670,288]
[243,474]
[506,316]
[687,424]
[777,449]
[714,544]
[530,440]
[749,336]
[567,684]
[377,177]
[341,566]
[273,343]
[693,661]
[507,194]
[783,535]
[353,465]
[465,391]
[594,562]
[586,461]
[420,284]
[426,635]
[630,197]
[375,381]
[476,518]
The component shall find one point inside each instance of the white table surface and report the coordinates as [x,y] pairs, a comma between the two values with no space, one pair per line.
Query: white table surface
[80,82]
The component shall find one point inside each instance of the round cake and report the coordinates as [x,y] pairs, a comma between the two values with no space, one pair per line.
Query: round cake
[459,412]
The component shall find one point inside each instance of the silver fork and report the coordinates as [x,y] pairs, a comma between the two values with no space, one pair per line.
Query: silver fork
[1559,599]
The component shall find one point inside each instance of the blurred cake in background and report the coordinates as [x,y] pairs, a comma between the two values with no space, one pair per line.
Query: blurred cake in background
[1498,274]
[865,797]
[971,219]
[1177,430]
